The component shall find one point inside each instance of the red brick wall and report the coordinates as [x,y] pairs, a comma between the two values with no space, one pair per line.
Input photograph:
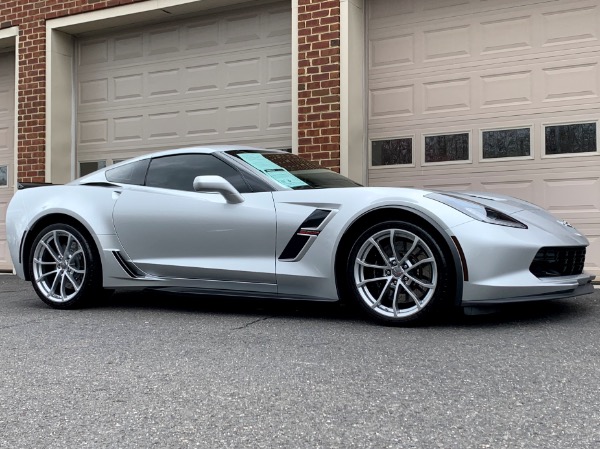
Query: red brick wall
[318,70]
[30,16]
[319,81]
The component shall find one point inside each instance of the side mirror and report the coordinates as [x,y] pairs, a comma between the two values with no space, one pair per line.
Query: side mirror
[219,185]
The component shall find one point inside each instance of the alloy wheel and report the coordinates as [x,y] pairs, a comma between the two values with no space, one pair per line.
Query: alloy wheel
[59,265]
[395,273]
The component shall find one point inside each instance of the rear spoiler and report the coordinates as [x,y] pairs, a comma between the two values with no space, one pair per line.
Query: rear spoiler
[30,185]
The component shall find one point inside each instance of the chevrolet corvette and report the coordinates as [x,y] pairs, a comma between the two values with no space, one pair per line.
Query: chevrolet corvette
[231,220]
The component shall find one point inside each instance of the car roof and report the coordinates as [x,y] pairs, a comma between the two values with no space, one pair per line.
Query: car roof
[207,149]
[98,175]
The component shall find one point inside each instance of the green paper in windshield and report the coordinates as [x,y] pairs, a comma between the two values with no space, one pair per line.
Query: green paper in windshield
[272,170]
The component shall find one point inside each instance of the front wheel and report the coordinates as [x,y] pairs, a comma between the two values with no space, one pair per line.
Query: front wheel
[63,267]
[397,272]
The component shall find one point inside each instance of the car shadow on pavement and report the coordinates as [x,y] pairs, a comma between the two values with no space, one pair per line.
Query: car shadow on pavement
[230,305]
[566,310]
[554,311]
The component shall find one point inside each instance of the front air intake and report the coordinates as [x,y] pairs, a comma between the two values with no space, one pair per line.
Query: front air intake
[558,261]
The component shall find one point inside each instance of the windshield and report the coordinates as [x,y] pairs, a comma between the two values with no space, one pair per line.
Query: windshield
[293,171]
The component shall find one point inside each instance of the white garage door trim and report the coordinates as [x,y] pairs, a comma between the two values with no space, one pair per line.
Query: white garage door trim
[7,147]
[60,104]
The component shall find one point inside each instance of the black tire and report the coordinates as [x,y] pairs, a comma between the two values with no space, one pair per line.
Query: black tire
[64,267]
[416,272]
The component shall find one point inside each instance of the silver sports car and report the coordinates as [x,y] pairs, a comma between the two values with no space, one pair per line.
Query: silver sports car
[244,221]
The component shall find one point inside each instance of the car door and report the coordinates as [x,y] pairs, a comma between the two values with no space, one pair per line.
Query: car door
[170,231]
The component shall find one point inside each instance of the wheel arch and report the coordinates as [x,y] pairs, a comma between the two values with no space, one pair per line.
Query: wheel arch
[47,220]
[414,216]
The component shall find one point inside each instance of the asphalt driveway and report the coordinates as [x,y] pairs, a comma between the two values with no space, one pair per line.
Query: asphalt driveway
[167,371]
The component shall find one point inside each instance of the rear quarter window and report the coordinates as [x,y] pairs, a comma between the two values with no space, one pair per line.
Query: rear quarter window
[132,173]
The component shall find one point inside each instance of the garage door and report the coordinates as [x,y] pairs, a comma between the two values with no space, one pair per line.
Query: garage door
[216,79]
[7,117]
[498,96]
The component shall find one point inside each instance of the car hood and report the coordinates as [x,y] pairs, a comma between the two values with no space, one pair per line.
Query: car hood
[506,204]
[530,214]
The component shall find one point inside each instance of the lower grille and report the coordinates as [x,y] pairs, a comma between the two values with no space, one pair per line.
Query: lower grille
[558,261]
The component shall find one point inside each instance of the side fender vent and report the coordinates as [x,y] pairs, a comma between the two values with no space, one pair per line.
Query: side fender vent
[294,246]
[128,266]
[305,235]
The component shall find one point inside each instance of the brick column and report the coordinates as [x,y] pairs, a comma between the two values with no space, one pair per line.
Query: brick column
[319,81]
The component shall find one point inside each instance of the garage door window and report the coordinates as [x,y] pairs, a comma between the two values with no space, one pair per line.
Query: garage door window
[570,139]
[3,175]
[506,143]
[447,148]
[392,152]
[85,168]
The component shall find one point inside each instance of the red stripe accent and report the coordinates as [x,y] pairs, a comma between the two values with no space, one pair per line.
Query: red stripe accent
[308,232]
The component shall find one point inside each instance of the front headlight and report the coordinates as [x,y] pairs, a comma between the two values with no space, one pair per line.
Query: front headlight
[477,211]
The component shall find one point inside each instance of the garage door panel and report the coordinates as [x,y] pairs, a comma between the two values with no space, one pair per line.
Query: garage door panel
[221,78]
[202,79]
[177,121]
[5,141]
[575,23]
[593,251]
[135,146]
[447,95]
[268,26]
[482,33]
[445,43]
[567,193]
[504,34]
[576,194]
[389,51]
[540,86]
[390,13]
[6,97]
[511,89]
[575,81]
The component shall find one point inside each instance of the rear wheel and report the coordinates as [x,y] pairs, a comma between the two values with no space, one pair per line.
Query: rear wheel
[64,269]
[397,272]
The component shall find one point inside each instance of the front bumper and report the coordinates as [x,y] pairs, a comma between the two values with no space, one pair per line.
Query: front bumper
[567,288]
[499,259]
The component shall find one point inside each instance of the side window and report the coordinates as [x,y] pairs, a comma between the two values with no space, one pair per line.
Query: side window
[178,172]
[132,173]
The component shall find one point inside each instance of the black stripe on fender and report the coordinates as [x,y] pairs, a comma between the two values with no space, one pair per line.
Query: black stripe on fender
[308,229]
[294,246]
[315,219]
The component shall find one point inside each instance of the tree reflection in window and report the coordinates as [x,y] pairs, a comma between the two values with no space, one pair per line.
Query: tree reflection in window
[506,143]
[3,175]
[447,148]
[391,152]
[85,168]
[575,138]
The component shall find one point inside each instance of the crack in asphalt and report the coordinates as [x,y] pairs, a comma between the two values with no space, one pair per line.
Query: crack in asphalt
[244,326]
